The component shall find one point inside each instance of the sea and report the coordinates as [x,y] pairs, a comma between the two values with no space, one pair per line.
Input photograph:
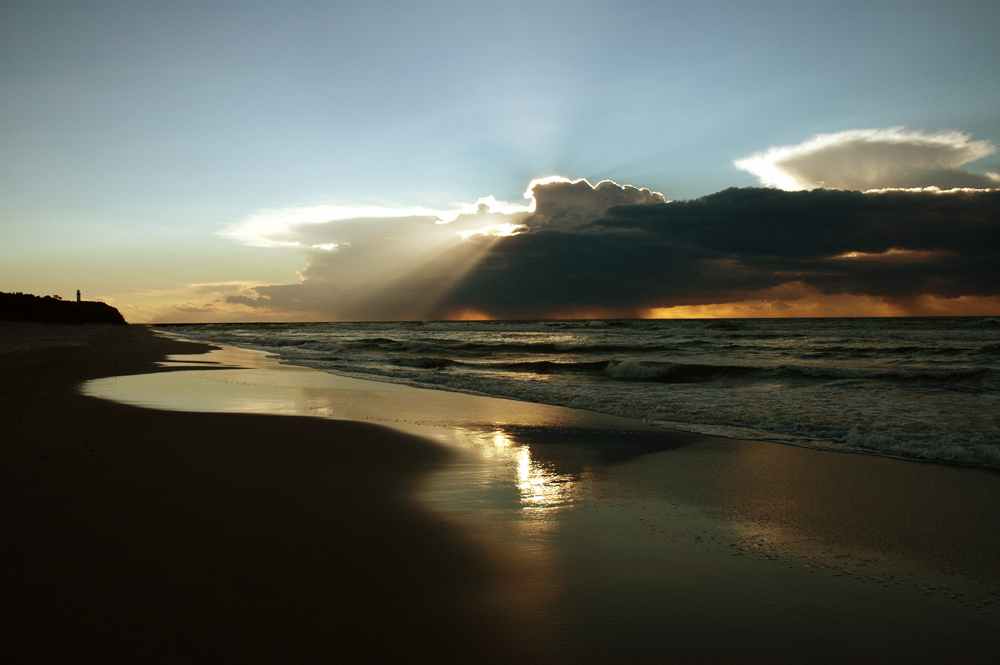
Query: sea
[917,388]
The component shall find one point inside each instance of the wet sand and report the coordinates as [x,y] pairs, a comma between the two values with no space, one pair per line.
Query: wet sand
[473,529]
[139,536]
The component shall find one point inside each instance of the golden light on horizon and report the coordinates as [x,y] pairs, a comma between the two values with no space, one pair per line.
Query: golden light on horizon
[840,305]
[893,253]
[467,314]
[828,306]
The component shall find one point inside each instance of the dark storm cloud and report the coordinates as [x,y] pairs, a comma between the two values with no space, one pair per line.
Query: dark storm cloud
[727,246]
[620,251]
[404,267]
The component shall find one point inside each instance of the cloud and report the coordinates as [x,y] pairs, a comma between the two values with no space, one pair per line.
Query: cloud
[404,267]
[305,227]
[608,250]
[563,203]
[206,303]
[865,159]
[797,300]
[213,312]
[739,244]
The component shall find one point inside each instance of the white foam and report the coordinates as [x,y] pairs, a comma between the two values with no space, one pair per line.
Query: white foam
[869,405]
[633,369]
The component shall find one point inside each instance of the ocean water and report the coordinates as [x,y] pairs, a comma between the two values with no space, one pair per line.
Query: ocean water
[919,388]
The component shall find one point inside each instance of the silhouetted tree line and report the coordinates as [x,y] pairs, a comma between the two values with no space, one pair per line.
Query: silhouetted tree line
[53,309]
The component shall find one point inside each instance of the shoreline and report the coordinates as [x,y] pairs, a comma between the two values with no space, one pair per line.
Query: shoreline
[135,535]
[961,454]
[695,552]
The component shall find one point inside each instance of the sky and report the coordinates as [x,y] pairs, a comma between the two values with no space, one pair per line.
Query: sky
[245,161]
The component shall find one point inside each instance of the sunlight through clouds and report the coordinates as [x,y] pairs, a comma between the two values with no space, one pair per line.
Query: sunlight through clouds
[499,230]
[579,250]
[284,227]
[315,227]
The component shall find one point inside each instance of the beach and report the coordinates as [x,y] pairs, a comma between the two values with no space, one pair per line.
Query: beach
[134,535]
[379,522]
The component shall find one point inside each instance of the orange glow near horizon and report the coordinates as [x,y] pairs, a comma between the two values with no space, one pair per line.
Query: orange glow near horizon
[770,309]
[842,305]
[790,300]
[468,314]
[811,306]
[893,253]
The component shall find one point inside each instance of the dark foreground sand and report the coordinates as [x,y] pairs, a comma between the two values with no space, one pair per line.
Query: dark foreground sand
[136,535]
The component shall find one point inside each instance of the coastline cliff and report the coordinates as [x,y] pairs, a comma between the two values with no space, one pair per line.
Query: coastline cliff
[52,309]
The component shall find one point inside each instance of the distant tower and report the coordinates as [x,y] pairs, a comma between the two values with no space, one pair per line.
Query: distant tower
[78,295]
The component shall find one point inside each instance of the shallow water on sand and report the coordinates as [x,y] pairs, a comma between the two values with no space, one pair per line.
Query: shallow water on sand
[638,542]
[918,388]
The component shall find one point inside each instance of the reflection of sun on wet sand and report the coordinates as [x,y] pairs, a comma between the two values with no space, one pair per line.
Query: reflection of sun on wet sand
[554,534]
[135,535]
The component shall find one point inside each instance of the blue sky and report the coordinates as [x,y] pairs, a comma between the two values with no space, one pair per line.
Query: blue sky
[132,133]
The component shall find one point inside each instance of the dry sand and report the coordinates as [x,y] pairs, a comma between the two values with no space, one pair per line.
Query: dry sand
[135,535]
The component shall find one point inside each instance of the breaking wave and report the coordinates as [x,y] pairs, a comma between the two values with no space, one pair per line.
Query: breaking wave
[926,389]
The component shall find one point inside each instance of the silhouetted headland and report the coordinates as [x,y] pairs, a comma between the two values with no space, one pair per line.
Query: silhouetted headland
[53,309]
